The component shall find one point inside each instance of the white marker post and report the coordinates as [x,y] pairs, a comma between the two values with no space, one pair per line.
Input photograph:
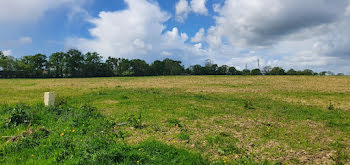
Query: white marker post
[49,98]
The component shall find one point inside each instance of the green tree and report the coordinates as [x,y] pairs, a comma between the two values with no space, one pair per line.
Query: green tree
[172,67]
[223,70]
[233,71]
[74,62]
[277,71]
[157,68]
[291,72]
[256,72]
[139,67]
[92,65]
[7,66]
[197,70]
[246,72]
[56,64]
[267,70]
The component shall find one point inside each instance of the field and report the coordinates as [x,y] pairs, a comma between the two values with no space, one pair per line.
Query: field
[223,119]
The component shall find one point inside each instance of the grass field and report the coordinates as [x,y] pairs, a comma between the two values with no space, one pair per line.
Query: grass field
[288,119]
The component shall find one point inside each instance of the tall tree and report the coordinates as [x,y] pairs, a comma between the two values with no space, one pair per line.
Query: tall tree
[7,66]
[74,61]
[139,67]
[256,72]
[172,67]
[277,71]
[223,70]
[57,64]
[92,65]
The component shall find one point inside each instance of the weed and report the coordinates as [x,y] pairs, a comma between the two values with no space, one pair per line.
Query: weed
[331,106]
[248,105]
[60,101]
[18,116]
[183,136]
[341,156]
[136,122]
[174,122]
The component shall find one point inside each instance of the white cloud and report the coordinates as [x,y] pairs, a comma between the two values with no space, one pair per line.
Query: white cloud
[28,11]
[7,52]
[290,33]
[182,8]
[199,37]
[140,35]
[198,6]
[25,40]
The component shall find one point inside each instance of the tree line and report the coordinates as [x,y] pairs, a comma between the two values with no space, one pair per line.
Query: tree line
[74,63]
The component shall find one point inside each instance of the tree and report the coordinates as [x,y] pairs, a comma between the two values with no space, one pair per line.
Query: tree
[32,66]
[124,68]
[210,68]
[157,68]
[172,67]
[277,71]
[74,61]
[233,71]
[197,70]
[246,72]
[7,66]
[256,72]
[92,65]
[223,70]
[139,67]
[56,64]
[291,72]
[305,72]
[266,70]
[112,65]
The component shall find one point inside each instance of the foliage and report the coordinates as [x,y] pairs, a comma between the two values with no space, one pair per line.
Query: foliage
[76,64]
[83,136]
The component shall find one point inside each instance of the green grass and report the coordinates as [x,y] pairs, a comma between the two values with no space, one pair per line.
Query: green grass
[207,119]
[74,135]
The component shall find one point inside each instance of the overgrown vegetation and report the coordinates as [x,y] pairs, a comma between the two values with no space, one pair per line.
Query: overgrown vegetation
[76,135]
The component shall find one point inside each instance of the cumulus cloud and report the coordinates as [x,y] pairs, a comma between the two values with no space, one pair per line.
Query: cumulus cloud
[27,11]
[199,37]
[287,33]
[198,6]
[140,35]
[182,8]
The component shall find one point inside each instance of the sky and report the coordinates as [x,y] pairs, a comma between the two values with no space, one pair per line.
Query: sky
[296,34]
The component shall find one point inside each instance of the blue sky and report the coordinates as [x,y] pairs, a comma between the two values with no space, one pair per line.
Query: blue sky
[287,33]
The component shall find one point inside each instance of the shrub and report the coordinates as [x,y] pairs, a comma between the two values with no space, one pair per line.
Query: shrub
[18,116]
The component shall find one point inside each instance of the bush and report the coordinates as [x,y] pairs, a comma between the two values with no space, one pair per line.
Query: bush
[18,116]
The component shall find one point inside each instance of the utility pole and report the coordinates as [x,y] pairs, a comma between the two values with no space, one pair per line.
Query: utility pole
[258,63]
[246,66]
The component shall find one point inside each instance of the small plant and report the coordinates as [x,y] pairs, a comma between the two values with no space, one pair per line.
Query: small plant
[341,156]
[136,122]
[183,136]
[331,107]
[18,116]
[174,122]
[60,101]
[121,135]
[248,105]
[125,97]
